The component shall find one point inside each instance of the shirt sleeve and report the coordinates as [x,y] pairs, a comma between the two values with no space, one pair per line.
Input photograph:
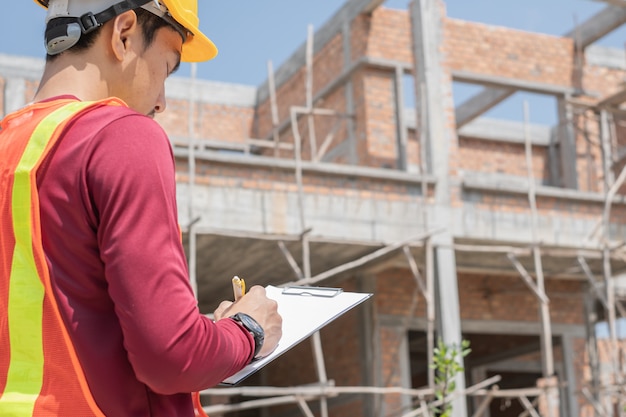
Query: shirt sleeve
[171,346]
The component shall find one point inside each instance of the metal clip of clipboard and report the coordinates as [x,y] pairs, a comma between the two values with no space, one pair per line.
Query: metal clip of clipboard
[326,292]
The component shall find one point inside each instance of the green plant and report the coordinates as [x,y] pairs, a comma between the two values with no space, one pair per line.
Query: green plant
[446,365]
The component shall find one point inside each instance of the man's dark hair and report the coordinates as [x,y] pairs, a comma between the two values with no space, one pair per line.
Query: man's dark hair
[149,23]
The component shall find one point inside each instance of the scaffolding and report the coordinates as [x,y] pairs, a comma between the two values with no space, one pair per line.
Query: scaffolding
[606,398]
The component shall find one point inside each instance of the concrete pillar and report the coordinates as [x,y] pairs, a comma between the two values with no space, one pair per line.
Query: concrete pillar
[570,376]
[567,142]
[434,106]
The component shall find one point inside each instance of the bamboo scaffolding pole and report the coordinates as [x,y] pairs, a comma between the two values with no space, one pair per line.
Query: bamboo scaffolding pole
[287,395]
[606,217]
[592,282]
[320,367]
[448,398]
[327,141]
[424,408]
[538,291]
[299,180]
[304,407]
[427,292]
[316,340]
[365,259]
[608,281]
[546,334]
[528,406]
[314,390]
[290,259]
[274,107]
[597,406]
[429,255]
[485,402]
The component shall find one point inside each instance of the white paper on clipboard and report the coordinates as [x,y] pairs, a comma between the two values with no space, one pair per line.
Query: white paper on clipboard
[304,310]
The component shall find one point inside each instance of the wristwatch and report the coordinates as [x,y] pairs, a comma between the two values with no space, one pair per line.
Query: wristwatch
[254,328]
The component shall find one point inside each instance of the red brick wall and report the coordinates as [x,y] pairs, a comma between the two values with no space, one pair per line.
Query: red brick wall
[221,174]
[211,121]
[389,36]
[484,156]
[505,52]
[381,150]
[493,297]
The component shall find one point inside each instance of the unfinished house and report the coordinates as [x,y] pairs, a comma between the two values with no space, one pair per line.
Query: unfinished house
[505,234]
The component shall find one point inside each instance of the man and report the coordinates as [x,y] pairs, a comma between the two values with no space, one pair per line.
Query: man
[97,317]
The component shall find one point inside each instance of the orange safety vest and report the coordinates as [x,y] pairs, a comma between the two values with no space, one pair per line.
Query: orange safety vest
[40,374]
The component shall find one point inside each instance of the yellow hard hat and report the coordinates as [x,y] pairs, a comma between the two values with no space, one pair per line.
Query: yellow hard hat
[90,14]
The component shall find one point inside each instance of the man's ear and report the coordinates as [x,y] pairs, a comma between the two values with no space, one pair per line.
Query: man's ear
[124,27]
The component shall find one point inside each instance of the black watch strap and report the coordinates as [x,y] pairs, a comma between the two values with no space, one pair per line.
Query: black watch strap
[255,329]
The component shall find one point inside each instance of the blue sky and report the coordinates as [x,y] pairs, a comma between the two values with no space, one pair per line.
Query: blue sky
[251,32]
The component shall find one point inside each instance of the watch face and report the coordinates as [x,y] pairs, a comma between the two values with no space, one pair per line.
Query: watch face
[250,323]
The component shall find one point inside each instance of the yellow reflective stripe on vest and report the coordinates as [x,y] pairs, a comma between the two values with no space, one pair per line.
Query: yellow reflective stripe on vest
[26,291]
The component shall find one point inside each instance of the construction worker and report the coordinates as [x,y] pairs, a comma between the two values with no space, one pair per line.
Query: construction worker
[97,315]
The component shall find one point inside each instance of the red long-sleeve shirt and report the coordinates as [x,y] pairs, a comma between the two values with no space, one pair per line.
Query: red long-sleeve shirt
[112,241]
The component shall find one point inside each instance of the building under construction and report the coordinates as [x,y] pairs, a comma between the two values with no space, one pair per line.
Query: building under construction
[506,234]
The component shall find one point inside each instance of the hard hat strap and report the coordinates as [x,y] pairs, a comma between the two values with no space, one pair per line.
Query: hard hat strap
[64,32]
[89,21]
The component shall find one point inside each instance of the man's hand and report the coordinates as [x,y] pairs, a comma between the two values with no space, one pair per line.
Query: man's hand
[264,310]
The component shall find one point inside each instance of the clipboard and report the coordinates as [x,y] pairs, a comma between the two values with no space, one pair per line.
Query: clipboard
[304,310]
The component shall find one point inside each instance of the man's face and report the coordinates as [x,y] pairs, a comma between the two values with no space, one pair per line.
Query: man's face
[142,82]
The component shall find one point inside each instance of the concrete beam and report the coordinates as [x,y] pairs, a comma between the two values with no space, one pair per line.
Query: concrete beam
[307,166]
[371,5]
[598,26]
[480,104]
[334,26]
[506,131]
[506,82]
[614,99]
[496,185]
[583,34]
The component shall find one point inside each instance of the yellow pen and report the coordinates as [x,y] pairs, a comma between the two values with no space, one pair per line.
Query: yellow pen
[239,287]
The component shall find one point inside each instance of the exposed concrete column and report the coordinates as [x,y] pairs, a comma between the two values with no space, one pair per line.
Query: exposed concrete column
[370,344]
[607,154]
[570,376]
[567,142]
[401,130]
[434,106]
[553,158]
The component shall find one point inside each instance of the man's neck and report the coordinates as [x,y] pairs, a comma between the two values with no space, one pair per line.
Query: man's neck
[65,76]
